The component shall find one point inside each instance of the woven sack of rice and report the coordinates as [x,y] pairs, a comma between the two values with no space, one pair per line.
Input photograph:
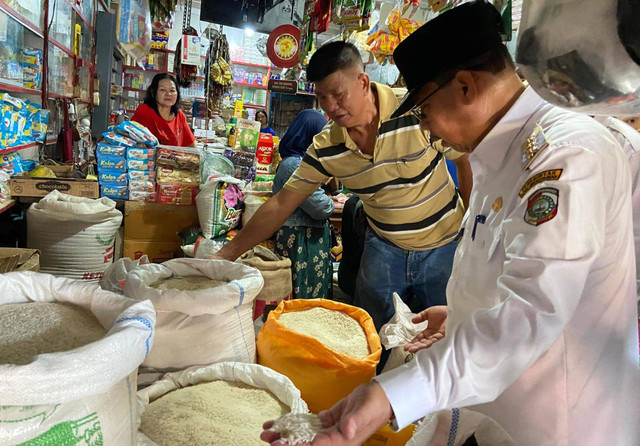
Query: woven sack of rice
[204,310]
[221,404]
[69,355]
[326,348]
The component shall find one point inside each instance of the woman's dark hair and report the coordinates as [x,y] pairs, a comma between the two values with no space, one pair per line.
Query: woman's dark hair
[332,57]
[152,92]
[264,113]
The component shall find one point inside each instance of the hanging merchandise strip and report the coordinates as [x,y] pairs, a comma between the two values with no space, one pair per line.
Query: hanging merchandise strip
[219,76]
[185,74]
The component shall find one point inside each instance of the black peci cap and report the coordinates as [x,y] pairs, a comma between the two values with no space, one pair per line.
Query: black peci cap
[452,40]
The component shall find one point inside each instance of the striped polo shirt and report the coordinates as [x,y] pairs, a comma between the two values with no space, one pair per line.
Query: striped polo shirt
[407,192]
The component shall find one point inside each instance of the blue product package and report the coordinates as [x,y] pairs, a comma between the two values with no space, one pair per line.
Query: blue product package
[141,154]
[107,149]
[115,191]
[118,140]
[137,132]
[140,164]
[107,176]
[112,162]
[141,175]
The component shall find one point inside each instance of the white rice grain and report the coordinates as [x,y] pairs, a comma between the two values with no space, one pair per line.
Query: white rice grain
[187,283]
[297,428]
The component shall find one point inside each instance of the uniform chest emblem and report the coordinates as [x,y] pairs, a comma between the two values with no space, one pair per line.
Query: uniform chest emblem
[497,205]
[542,206]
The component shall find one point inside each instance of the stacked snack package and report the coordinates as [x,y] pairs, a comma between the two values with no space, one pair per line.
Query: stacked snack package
[21,122]
[126,162]
[31,68]
[243,152]
[178,175]
[382,44]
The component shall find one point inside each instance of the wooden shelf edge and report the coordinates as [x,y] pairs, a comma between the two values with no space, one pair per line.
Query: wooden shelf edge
[15,89]
[249,64]
[21,19]
[5,205]
[243,84]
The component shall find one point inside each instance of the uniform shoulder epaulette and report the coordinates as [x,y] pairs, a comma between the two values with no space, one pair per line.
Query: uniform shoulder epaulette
[533,145]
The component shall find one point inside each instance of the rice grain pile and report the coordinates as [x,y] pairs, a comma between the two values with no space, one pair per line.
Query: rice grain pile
[215,413]
[297,428]
[187,283]
[32,328]
[334,329]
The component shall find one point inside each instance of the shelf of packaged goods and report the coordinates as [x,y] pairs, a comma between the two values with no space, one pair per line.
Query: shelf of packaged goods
[254,106]
[151,70]
[134,89]
[83,101]
[249,64]
[20,19]
[17,89]
[60,96]
[25,146]
[57,44]
[81,15]
[243,84]
[193,98]
[164,50]
[6,205]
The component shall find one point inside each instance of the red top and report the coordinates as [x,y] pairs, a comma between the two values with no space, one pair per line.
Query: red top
[171,133]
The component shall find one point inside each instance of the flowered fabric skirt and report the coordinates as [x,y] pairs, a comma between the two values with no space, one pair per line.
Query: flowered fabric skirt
[308,249]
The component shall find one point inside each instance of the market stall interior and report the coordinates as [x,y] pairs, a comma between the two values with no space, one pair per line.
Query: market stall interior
[143,141]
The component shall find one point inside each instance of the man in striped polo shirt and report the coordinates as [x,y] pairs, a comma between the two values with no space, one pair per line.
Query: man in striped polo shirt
[411,202]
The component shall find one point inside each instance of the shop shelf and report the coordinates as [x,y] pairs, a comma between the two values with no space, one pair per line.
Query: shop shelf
[194,98]
[200,77]
[16,89]
[60,96]
[254,106]
[69,52]
[20,19]
[19,147]
[250,85]
[79,13]
[134,89]
[151,70]
[84,101]
[5,205]
[129,110]
[249,64]
[305,93]
[164,50]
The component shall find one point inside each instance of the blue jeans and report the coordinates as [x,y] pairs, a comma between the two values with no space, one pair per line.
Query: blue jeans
[419,277]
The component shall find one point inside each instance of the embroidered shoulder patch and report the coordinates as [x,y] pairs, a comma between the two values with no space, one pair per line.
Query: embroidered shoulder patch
[542,206]
[547,175]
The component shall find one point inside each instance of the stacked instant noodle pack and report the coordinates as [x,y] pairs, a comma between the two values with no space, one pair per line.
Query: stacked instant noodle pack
[126,163]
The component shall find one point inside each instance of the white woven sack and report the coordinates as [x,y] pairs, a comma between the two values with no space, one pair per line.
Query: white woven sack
[396,333]
[213,220]
[84,396]
[75,235]
[253,375]
[199,327]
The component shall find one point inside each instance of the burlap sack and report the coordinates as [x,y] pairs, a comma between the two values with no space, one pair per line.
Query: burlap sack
[276,272]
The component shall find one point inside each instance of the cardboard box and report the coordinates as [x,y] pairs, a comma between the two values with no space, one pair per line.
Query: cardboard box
[157,222]
[157,251]
[19,259]
[23,186]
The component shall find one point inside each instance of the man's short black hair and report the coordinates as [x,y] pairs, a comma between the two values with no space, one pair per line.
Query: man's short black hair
[332,57]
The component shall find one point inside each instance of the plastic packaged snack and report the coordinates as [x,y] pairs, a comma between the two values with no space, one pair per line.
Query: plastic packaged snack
[142,196]
[141,175]
[107,149]
[114,191]
[137,132]
[115,139]
[142,186]
[112,162]
[179,194]
[141,154]
[140,164]
[179,157]
[112,177]
[176,176]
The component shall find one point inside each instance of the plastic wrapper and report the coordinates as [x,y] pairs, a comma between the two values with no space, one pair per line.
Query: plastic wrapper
[220,203]
[112,162]
[5,193]
[114,139]
[11,163]
[141,154]
[137,132]
[179,194]
[141,175]
[135,195]
[142,186]
[134,28]
[114,191]
[167,175]
[136,164]
[112,176]
[178,157]
[596,71]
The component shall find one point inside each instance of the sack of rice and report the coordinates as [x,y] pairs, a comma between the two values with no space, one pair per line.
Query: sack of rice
[276,272]
[326,348]
[203,311]
[222,404]
[399,331]
[69,354]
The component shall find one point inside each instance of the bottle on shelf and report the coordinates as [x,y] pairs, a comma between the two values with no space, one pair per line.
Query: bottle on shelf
[232,137]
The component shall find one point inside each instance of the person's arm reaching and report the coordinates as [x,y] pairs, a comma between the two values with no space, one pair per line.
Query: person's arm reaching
[465,178]
[268,219]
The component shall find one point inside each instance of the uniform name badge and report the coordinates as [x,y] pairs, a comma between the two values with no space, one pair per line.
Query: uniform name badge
[542,206]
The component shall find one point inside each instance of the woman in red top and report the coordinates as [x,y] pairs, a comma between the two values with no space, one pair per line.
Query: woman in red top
[162,116]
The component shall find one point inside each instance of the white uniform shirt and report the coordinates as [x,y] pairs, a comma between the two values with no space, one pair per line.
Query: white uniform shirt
[541,331]
[629,139]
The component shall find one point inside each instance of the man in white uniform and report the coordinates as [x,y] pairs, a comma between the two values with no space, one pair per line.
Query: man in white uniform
[541,331]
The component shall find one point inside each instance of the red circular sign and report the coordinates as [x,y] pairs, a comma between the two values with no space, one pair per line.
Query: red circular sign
[283,46]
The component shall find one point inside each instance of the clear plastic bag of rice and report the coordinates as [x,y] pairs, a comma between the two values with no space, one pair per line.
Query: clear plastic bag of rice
[222,404]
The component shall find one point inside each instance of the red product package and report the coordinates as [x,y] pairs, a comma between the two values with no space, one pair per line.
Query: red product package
[179,194]
[264,154]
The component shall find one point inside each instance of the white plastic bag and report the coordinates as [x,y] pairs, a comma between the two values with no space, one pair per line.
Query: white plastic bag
[75,235]
[199,327]
[82,396]
[396,333]
[253,375]
[220,202]
[115,276]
